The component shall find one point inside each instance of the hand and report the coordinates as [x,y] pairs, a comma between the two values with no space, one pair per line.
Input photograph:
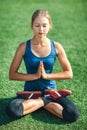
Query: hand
[43,72]
[38,74]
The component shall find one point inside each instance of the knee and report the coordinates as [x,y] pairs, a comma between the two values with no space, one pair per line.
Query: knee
[70,114]
[16,107]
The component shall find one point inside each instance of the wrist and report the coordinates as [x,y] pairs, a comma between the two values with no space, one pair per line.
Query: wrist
[37,76]
[48,76]
[33,77]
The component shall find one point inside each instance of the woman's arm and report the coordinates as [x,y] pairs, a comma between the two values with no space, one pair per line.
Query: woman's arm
[13,72]
[66,67]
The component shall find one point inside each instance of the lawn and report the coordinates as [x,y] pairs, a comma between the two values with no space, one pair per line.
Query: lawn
[70,29]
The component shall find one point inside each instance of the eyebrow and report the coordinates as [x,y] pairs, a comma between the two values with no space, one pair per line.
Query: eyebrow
[39,23]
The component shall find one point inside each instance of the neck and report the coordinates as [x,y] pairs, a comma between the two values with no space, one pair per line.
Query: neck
[40,41]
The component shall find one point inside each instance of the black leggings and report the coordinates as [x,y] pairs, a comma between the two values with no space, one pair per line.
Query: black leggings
[15,107]
[70,112]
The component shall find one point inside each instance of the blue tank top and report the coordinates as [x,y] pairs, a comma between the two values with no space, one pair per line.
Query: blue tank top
[32,62]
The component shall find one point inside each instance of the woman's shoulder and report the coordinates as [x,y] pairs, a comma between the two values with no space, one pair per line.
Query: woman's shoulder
[22,45]
[21,48]
[58,46]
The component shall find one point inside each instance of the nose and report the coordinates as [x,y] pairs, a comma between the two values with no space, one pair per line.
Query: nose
[41,28]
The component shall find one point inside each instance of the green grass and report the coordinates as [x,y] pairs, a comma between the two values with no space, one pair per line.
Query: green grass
[70,29]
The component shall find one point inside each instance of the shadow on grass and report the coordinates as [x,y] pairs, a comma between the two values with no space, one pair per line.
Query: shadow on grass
[5,116]
[43,115]
[40,115]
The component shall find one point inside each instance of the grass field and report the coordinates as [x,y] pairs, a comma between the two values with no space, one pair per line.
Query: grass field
[70,29]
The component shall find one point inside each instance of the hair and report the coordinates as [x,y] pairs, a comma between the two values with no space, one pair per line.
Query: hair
[41,12]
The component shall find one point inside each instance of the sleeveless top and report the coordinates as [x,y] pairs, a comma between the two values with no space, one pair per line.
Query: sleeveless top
[32,62]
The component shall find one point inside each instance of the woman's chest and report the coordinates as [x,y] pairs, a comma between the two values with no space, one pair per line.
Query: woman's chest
[41,51]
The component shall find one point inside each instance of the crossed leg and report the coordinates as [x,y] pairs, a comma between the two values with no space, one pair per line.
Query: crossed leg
[34,104]
[31,105]
[63,108]
[55,109]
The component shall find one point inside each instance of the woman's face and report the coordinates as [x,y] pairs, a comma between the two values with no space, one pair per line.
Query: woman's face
[40,26]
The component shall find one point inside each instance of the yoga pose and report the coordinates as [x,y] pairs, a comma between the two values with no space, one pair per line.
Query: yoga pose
[39,54]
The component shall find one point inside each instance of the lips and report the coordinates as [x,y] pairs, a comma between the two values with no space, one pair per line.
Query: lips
[40,33]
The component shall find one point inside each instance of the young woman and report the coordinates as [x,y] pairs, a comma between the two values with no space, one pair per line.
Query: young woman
[39,54]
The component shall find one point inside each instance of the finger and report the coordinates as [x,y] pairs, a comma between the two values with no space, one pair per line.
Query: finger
[41,62]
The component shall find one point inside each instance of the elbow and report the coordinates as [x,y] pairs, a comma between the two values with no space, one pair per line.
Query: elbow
[11,76]
[70,75]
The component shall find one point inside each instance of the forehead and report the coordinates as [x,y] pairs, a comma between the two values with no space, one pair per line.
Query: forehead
[41,19]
